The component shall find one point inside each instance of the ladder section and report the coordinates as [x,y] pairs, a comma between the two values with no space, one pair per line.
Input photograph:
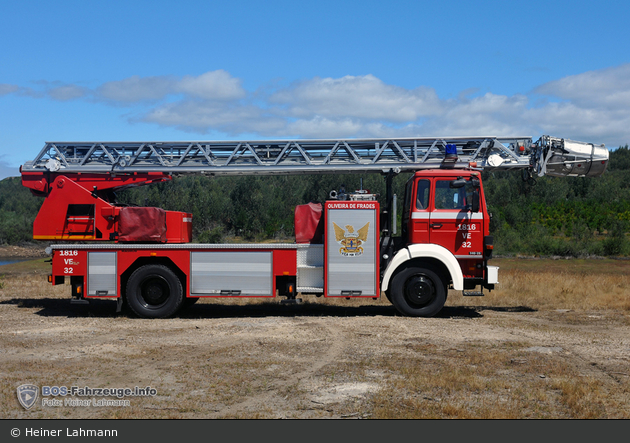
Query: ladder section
[320,156]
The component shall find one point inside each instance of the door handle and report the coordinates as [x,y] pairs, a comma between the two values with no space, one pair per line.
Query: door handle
[436,225]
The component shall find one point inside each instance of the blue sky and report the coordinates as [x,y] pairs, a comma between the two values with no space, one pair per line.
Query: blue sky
[245,69]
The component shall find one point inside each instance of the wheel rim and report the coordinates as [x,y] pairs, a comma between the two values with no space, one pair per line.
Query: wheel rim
[419,290]
[154,292]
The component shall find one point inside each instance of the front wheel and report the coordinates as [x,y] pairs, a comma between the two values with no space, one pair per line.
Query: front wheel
[418,292]
[154,291]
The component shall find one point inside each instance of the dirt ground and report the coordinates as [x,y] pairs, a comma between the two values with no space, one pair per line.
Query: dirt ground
[313,360]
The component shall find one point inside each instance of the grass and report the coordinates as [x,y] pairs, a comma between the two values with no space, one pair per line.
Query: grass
[499,383]
[558,284]
[37,266]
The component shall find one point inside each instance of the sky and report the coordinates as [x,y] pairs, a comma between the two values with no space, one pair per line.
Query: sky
[258,70]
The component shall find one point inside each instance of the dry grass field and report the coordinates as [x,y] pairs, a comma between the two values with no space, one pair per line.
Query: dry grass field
[552,342]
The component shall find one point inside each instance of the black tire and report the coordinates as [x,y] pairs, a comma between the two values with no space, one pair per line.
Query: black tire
[388,294]
[418,292]
[154,291]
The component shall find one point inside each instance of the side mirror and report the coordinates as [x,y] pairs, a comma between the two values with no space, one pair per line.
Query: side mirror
[475,200]
[459,183]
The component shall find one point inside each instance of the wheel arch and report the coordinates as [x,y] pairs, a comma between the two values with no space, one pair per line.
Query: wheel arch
[435,256]
[142,261]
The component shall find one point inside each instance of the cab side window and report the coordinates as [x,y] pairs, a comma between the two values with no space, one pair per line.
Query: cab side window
[449,198]
[422,194]
[407,201]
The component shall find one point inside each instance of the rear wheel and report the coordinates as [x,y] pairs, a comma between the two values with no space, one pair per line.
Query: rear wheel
[154,291]
[418,292]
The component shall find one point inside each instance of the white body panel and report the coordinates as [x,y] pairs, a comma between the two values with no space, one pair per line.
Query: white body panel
[437,252]
[102,274]
[351,265]
[231,273]
[493,275]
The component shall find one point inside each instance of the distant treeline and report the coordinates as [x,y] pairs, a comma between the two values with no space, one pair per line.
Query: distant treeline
[555,216]
[567,216]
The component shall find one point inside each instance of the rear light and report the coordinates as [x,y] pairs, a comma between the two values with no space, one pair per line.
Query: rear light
[50,279]
[488,246]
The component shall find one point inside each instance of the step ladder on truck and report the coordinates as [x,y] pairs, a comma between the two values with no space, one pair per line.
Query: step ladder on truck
[345,248]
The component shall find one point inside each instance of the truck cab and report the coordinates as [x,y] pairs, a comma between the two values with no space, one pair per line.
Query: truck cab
[444,243]
[449,209]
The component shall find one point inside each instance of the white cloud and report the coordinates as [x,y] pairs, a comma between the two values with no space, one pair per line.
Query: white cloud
[7,170]
[67,92]
[592,107]
[364,97]
[490,114]
[364,106]
[8,89]
[320,127]
[213,85]
[589,124]
[205,116]
[136,89]
[607,88]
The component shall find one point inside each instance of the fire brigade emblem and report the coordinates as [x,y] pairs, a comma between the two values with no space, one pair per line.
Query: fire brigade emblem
[351,242]
[27,395]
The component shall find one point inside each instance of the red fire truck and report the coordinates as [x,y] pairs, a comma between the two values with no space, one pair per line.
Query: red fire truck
[346,248]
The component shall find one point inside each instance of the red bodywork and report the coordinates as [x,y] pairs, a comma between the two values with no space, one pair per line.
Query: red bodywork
[441,215]
[81,207]
[309,223]
[73,263]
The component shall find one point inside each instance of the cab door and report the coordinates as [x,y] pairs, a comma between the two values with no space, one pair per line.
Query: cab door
[452,222]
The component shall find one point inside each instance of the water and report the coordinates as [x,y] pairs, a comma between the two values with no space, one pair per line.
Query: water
[8,261]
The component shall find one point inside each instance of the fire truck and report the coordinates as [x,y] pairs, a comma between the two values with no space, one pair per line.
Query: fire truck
[348,247]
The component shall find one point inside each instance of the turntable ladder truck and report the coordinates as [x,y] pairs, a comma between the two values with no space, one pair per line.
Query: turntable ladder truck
[346,248]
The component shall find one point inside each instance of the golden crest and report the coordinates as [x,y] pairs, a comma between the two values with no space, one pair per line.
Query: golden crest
[351,242]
